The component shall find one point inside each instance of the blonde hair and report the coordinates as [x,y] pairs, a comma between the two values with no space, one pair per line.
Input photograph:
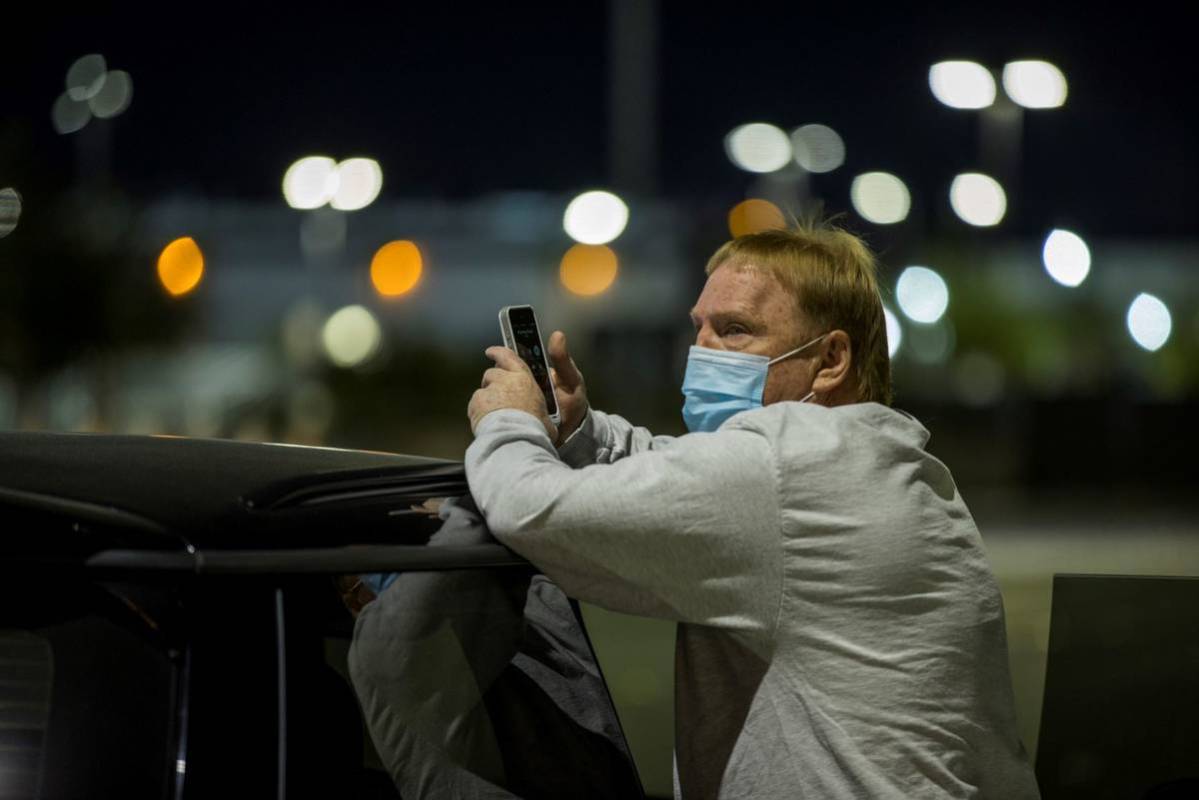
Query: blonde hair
[833,278]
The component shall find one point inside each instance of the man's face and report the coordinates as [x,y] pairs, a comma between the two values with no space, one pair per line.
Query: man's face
[747,310]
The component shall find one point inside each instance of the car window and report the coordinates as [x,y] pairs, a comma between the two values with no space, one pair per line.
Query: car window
[481,683]
[86,704]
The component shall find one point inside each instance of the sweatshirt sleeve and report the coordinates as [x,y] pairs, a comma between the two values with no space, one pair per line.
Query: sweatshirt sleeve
[604,438]
[689,532]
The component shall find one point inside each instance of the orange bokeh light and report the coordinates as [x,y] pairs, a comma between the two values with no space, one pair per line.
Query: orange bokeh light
[754,215]
[588,269]
[396,268]
[181,266]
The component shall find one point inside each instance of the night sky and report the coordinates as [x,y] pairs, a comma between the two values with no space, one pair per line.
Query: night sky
[460,100]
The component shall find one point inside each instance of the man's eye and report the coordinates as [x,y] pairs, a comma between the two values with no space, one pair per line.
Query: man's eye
[735,330]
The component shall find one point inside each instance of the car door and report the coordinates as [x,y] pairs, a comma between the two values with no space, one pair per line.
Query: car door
[182,671]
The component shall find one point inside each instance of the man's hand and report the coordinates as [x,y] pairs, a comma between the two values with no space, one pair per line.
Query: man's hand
[509,384]
[568,388]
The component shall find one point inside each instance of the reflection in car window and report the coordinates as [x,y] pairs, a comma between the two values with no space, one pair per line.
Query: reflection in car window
[481,683]
[26,672]
[85,698]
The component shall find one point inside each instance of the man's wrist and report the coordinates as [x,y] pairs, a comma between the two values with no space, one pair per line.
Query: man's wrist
[564,437]
[499,415]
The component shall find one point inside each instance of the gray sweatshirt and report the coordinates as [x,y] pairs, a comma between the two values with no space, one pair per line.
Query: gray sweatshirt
[840,631]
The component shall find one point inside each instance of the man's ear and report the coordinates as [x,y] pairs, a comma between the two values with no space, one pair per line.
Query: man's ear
[836,361]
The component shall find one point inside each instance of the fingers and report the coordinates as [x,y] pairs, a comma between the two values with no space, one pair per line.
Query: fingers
[505,359]
[492,375]
[566,374]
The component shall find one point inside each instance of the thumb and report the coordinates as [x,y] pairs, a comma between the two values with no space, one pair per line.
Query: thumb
[565,372]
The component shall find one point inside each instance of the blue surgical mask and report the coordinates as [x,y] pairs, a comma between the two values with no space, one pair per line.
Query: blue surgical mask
[720,383]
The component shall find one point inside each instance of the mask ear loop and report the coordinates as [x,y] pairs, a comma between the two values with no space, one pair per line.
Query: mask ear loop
[799,349]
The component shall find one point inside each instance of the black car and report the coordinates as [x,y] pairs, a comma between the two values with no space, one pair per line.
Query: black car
[191,618]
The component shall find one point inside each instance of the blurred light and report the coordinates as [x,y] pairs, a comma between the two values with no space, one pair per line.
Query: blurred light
[396,268]
[310,411]
[894,332]
[1149,322]
[322,232]
[880,197]
[72,401]
[1035,84]
[979,379]
[522,217]
[758,147]
[86,77]
[114,97]
[180,266]
[754,215]
[595,217]
[302,327]
[10,210]
[1066,256]
[69,116]
[817,148]
[310,182]
[922,294]
[351,336]
[930,344]
[254,428]
[977,199]
[962,84]
[359,181]
[588,269]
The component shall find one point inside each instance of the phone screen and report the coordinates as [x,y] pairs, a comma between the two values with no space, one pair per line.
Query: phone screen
[528,347]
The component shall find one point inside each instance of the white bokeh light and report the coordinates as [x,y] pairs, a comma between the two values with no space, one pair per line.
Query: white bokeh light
[114,96]
[758,147]
[310,182]
[1149,322]
[351,336]
[359,181]
[817,148]
[880,197]
[595,217]
[1035,84]
[1066,257]
[86,77]
[922,295]
[978,199]
[962,84]
[10,210]
[68,115]
[894,332]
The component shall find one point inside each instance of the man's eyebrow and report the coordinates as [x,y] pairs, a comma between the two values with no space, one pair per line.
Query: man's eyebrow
[737,315]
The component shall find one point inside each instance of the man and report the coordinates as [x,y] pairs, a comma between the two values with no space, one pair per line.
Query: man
[840,631]
[444,662]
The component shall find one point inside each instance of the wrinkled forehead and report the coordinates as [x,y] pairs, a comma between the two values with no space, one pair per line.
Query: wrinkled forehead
[746,288]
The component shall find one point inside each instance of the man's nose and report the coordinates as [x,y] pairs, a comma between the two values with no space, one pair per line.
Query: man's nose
[706,337]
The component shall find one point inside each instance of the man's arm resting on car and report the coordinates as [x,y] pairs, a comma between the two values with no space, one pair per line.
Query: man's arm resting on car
[604,438]
[689,532]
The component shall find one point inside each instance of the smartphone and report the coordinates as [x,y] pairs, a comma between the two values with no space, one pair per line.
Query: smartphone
[518,325]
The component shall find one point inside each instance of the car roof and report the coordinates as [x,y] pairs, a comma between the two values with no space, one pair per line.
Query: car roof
[220,493]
